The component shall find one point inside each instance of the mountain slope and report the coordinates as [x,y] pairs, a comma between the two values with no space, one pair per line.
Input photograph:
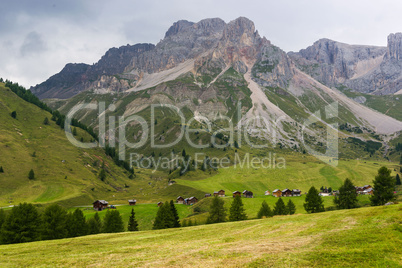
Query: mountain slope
[64,173]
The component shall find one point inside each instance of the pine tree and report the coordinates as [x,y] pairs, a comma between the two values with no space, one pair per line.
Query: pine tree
[164,217]
[46,121]
[113,223]
[14,114]
[176,220]
[347,197]
[1,169]
[236,212]
[102,174]
[183,153]
[280,207]
[132,222]
[383,186]
[77,224]
[217,212]
[31,175]
[54,222]
[291,207]
[2,219]
[21,225]
[265,211]
[397,178]
[94,224]
[313,202]
[75,131]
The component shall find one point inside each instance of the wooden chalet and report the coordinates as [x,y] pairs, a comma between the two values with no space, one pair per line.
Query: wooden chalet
[277,193]
[368,186]
[132,202]
[267,192]
[208,195]
[100,205]
[160,204]
[180,200]
[286,193]
[368,191]
[192,200]
[248,194]
[220,193]
[296,192]
[171,182]
[236,193]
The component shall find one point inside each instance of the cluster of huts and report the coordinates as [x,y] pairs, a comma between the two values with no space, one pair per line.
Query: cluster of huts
[286,192]
[100,205]
[186,201]
[366,189]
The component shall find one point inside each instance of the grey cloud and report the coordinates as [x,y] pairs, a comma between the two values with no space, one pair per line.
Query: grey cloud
[33,44]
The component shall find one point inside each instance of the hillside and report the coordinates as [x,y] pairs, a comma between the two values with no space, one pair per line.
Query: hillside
[345,238]
[64,173]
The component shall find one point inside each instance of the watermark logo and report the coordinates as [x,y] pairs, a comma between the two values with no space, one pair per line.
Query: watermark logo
[234,136]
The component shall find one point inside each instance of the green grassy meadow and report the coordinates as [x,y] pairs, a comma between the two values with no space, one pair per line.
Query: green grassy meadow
[364,237]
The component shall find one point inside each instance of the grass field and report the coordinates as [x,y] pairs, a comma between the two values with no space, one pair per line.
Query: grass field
[364,237]
[145,213]
[301,172]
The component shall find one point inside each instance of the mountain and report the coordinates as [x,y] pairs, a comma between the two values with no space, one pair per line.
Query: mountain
[365,69]
[209,67]
[75,78]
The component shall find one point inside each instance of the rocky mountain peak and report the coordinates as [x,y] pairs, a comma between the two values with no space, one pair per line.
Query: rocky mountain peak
[394,46]
[177,27]
[240,30]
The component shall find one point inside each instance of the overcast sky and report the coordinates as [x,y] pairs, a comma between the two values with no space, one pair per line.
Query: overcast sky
[37,38]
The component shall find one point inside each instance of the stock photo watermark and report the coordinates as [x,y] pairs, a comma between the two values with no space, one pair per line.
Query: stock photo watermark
[235,135]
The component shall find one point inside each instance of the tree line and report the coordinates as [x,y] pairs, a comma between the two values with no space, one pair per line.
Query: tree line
[24,223]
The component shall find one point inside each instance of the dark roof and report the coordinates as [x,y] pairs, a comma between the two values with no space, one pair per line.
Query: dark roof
[103,202]
[285,190]
[236,192]
[179,198]
[192,198]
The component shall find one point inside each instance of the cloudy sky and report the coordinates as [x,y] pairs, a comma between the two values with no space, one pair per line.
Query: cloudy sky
[37,38]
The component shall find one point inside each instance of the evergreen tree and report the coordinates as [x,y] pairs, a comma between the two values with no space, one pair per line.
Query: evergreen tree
[31,175]
[113,223]
[291,207]
[265,211]
[176,220]
[164,217]
[236,212]
[94,224]
[54,222]
[1,169]
[78,225]
[2,218]
[183,153]
[280,207]
[383,186]
[397,178]
[46,121]
[236,145]
[14,114]
[347,197]
[75,131]
[313,202]
[21,225]
[217,212]
[132,222]
[102,174]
